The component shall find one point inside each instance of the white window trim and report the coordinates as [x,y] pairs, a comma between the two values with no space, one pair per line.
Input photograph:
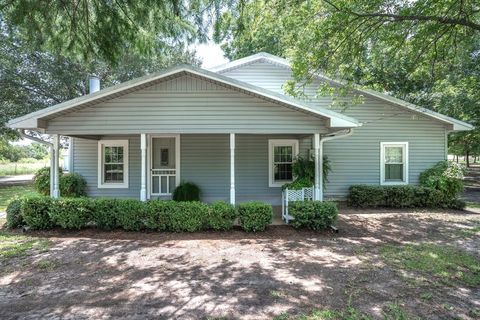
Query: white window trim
[112,143]
[404,145]
[274,143]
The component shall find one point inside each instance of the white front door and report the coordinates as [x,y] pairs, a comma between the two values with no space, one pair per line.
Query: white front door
[164,162]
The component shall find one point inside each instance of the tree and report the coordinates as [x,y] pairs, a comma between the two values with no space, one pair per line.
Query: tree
[421,51]
[92,29]
[33,79]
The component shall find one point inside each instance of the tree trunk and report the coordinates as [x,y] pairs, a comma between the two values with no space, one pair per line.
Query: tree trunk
[467,156]
[457,157]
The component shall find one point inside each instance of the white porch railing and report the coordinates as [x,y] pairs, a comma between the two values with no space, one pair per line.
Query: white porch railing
[163,181]
[294,195]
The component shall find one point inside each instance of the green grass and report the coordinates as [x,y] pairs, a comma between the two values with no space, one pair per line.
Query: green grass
[446,264]
[13,169]
[473,204]
[7,194]
[12,245]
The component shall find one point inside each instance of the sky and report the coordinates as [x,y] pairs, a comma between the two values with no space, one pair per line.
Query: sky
[211,54]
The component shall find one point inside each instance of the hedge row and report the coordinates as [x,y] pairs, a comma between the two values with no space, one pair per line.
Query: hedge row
[314,215]
[134,215]
[408,196]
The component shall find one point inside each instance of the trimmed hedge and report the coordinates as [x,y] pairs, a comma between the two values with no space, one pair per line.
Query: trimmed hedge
[128,214]
[35,212]
[314,215]
[14,217]
[365,196]
[221,216]
[70,184]
[254,216]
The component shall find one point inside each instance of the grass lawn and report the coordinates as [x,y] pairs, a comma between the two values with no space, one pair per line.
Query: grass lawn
[13,169]
[381,265]
[8,193]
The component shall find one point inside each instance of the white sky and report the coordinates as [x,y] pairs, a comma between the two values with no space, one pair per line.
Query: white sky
[211,54]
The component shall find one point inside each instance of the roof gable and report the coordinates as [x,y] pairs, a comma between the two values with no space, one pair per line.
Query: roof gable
[38,119]
[263,57]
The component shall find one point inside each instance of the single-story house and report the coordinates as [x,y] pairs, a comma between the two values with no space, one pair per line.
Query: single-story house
[234,132]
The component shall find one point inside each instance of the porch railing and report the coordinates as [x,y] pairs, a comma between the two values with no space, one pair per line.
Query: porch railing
[163,181]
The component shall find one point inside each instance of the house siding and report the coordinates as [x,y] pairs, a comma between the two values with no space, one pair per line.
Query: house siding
[186,105]
[204,160]
[356,159]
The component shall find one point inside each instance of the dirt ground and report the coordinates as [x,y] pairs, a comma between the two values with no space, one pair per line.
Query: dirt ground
[94,275]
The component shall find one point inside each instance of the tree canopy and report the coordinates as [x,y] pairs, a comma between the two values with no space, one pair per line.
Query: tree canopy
[425,52]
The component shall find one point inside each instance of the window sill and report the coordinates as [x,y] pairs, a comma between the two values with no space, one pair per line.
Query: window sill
[393,183]
[113,186]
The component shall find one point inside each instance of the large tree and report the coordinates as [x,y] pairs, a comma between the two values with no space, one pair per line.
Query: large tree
[426,52]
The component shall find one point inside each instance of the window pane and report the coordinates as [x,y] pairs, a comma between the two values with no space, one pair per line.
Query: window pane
[155,184]
[283,172]
[171,181]
[283,154]
[163,184]
[164,157]
[113,173]
[393,155]
[394,172]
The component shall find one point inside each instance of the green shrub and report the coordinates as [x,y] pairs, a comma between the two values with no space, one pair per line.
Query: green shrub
[254,216]
[14,216]
[73,213]
[187,216]
[104,213]
[158,213]
[41,180]
[363,196]
[35,212]
[186,191]
[72,185]
[400,196]
[446,176]
[131,214]
[314,215]
[221,216]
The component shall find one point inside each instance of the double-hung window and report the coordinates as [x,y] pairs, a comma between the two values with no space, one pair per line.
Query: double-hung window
[394,163]
[281,154]
[113,164]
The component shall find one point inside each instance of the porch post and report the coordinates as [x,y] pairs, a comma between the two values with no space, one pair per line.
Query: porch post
[232,168]
[52,166]
[56,164]
[318,167]
[143,185]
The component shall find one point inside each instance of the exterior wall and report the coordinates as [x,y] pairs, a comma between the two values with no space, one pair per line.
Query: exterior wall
[204,160]
[356,159]
[85,162]
[185,105]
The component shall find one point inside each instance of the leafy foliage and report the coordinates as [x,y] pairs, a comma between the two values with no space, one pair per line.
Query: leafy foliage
[254,216]
[71,213]
[14,217]
[186,191]
[71,184]
[420,51]
[221,216]
[304,171]
[35,212]
[314,215]
[445,176]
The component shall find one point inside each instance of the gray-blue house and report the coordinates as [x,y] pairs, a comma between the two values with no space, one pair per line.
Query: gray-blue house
[233,132]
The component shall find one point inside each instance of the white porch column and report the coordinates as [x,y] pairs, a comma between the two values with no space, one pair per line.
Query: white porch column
[56,164]
[52,166]
[318,167]
[143,185]
[232,168]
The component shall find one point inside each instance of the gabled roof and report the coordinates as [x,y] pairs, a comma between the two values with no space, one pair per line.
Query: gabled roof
[266,57]
[38,118]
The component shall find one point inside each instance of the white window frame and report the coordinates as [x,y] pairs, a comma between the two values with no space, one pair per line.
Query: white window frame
[112,143]
[404,146]
[279,143]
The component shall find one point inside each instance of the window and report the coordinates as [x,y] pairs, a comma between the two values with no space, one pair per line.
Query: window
[113,164]
[394,163]
[281,154]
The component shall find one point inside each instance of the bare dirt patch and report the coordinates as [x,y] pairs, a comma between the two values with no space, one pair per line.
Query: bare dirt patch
[92,274]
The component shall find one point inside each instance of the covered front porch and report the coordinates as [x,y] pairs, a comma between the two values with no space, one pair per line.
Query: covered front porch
[229,167]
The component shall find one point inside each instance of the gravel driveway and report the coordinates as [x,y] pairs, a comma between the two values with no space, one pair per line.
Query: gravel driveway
[95,275]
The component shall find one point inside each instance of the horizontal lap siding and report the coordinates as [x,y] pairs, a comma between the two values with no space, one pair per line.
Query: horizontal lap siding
[356,159]
[205,161]
[85,157]
[186,105]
